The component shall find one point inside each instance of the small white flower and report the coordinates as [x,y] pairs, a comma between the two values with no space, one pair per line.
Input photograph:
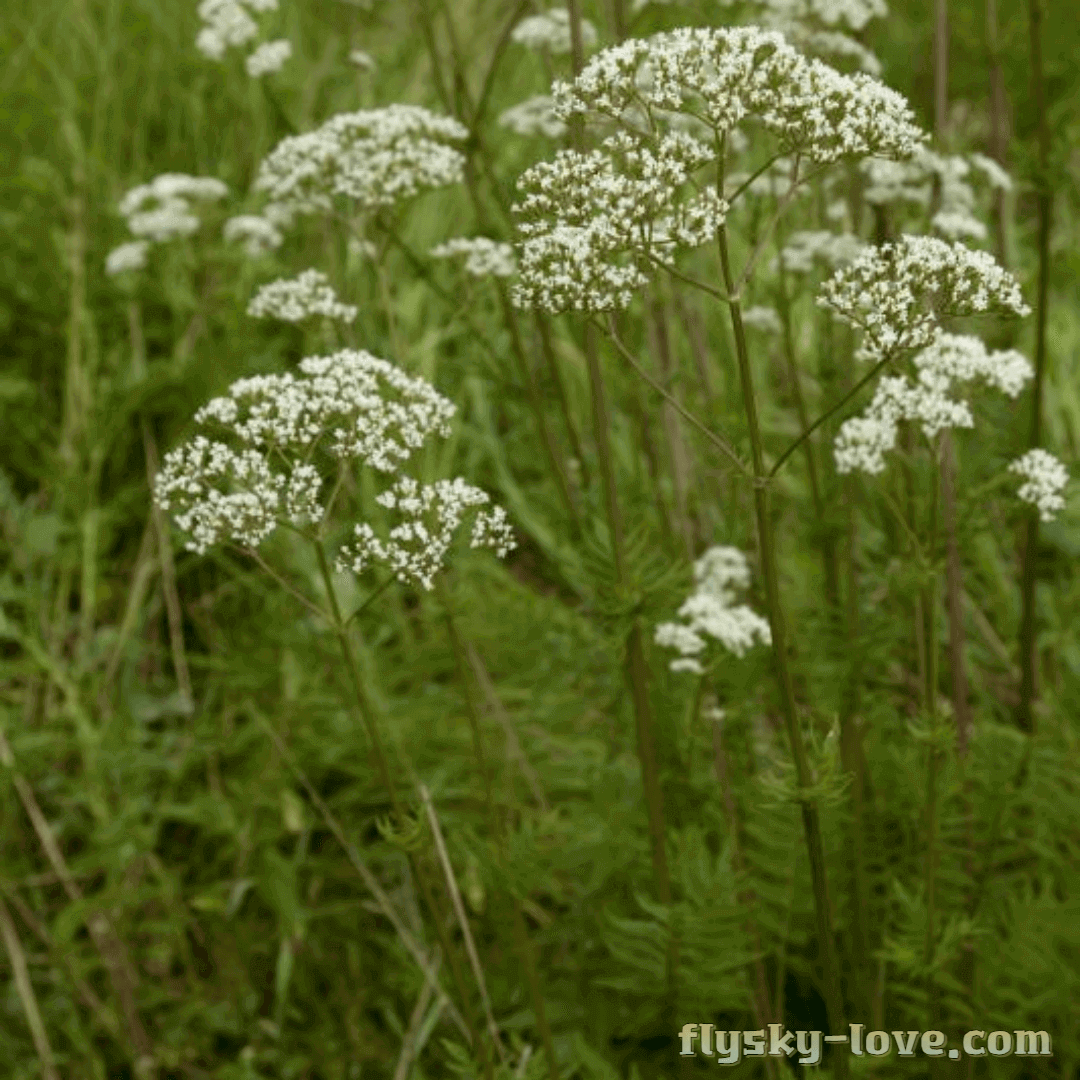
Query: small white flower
[416,548]
[533,116]
[258,233]
[131,256]
[995,175]
[268,58]
[262,470]
[762,318]
[375,158]
[862,442]
[484,257]
[1045,478]
[362,60]
[710,611]
[806,246]
[161,211]
[298,298]
[898,293]
[227,24]
[551,31]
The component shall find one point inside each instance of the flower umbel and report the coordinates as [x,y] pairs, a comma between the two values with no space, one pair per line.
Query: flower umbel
[1045,478]
[899,292]
[710,611]
[863,441]
[415,549]
[372,157]
[295,299]
[271,434]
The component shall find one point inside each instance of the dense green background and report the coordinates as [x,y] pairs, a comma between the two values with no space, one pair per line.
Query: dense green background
[255,949]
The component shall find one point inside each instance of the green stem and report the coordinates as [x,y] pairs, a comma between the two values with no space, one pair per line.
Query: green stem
[368,718]
[496,827]
[1025,717]
[769,569]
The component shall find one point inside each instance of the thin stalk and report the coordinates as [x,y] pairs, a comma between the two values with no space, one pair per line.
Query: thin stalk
[998,142]
[826,540]
[21,977]
[769,570]
[954,587]
[550,359]
[463,921]
[746,898]
[367,716]
[558,466]
[1025,716]
[426,965]
[677,454]
[928,610]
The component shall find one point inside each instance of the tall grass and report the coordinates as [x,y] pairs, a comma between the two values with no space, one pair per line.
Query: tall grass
[486,831]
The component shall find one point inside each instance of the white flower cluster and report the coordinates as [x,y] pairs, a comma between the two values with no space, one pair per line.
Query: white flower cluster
[862,442]
[912,181]
[1045,478]
[268,58]
[762,318]
[158,212]
[216,492]
[591,220]
[260,472]
[897,293]
[534,116]
[258,233]
[295,299]
[366,407]
[724,75]
[710,611]
[806,246]
[483,257]
[551,31]
[227,24]
[373,157]
[126,257]
[415,549]
[811,25]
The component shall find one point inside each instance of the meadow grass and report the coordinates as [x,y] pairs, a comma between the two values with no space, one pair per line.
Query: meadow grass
[204,870]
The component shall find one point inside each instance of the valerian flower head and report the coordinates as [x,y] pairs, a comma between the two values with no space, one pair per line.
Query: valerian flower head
[268,58]
[820,27]
[762,318]
[375,158]
[127,257]
[913,182]
[161,210]
[551,31]
[416,548]
[227,23]
[862,442]
[1045,478]
[899,292]
[725,75]
[710,611]
[533,116]
[258,233]
[293,300]
[593,223]
[258,465]
[805,247]
[483,257]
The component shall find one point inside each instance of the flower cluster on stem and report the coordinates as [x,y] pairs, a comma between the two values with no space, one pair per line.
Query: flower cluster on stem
[260,466]
[711,611]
